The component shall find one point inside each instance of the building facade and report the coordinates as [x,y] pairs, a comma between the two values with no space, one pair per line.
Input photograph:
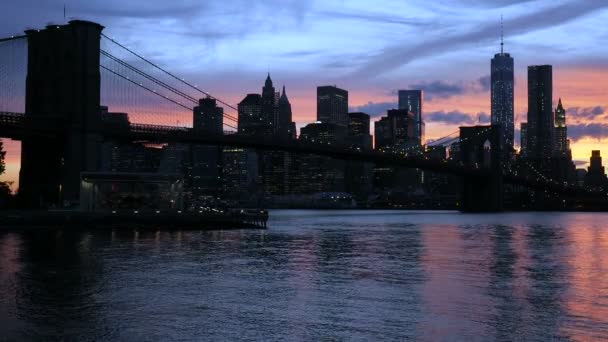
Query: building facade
[562,144]
[206,160]
[332,105]
[540,137]
[411,100]
[251,122]
[286,127]
[396,131]
[501,87]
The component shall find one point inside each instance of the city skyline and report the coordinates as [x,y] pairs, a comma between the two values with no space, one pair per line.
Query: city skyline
[457,97]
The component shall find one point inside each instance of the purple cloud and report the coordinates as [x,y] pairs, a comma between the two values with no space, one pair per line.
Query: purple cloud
[454,117]
[593,130]
[374,108]
[585,112]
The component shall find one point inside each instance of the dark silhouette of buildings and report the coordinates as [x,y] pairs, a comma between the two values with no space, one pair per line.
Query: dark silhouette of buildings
[266,115]
[63,89]
[332,105]
[501,86]
[318,173]
[596,174]
[396,131]
[240,175]
[358,175]
[411,100]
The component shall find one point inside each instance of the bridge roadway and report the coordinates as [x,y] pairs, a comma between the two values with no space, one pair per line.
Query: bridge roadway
[17,126]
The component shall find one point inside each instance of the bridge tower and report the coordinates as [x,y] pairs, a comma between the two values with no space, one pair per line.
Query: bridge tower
[62,91]
[480,146]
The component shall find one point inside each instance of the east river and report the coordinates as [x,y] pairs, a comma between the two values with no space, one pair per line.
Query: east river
[315,275]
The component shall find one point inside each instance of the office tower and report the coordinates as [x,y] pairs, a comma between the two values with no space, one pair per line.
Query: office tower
[411,100]
[397,131]
[358,175]
[562,144]
[541,130]
[332,105]
[358,131]
[251,122]
[208,117]
[286,127]
[596,174]
[501,80]
[206,160]
[358,123]
[269,106]
[240,175]
[315,173]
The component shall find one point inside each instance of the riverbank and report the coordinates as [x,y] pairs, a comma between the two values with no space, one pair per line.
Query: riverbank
[141,219]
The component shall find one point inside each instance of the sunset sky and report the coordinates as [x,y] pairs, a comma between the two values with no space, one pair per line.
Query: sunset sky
[443,47]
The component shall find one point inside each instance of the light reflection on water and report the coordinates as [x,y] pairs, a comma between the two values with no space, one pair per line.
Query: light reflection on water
[362,275]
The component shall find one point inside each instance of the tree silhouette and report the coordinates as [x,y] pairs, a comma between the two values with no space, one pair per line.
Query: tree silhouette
[2,155]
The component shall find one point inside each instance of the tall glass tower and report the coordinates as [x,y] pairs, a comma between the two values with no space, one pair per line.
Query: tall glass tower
[502,95]
[412,101]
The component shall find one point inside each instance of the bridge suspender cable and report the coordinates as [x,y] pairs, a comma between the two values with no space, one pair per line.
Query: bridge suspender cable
[152,91]
[170,74]
[155,80]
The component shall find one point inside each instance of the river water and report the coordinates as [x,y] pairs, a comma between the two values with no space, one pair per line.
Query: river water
[315,275]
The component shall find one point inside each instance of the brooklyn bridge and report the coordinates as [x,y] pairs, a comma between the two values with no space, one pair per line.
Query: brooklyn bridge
[69,71]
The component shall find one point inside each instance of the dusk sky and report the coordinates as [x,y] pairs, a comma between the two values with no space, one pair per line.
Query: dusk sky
[443,47]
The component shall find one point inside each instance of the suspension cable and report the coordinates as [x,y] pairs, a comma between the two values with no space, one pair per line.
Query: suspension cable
[156,81]
[170,74]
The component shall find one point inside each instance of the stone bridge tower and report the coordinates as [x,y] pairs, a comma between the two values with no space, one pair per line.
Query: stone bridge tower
[480,146]
[62,91]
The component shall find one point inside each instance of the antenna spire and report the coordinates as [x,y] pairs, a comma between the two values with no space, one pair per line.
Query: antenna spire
[502,36]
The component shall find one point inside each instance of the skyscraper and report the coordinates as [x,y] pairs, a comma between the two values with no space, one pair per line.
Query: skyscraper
[332,105]
[562,145]
[358,131]
[208,117]
[251,121]
[541,131]
[412,101]
[501,80]
[286,127]
[269,106]
[358,175]
[206,160]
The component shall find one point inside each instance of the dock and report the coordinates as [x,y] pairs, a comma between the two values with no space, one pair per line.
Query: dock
[212,219]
